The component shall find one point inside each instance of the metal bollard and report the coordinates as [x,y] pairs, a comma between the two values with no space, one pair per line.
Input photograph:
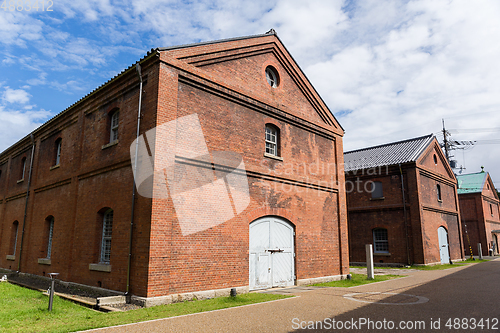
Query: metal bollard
[369,262]
[51,294]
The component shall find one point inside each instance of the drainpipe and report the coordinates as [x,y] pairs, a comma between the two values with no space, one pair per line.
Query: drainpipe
[26,204]
[405,218]
[127,293]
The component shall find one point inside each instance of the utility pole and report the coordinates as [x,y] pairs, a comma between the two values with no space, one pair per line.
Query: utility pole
[445,140]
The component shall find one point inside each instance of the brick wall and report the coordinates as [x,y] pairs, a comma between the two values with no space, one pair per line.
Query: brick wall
[87,179]
[424,212]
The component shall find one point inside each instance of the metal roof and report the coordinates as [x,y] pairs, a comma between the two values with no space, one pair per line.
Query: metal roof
[471,183]
[168,48]
[388,154]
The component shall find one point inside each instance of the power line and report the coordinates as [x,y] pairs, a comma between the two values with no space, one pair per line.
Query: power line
[474,130]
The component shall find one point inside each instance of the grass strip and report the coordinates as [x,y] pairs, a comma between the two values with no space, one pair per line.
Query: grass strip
[357,280]
[430,267]
[25,310]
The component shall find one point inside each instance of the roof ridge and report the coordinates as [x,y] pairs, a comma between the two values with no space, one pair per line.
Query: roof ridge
[217,41]
[390,144]
[422,148]
[474,173]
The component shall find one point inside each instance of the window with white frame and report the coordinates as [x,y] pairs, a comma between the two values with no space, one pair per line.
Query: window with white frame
[380,241]
[58,151]
[50,233]
[272,76]
[272,140]
[107,227]
[115,117]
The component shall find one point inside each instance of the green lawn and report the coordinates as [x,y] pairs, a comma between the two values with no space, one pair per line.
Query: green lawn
[357,280]
[25,310]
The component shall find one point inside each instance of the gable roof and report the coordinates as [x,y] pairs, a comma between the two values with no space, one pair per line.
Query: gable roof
[472,182]
[200,54]
[388,154]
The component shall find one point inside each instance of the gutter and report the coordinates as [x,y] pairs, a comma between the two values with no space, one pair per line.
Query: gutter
[26,204]
[127,293]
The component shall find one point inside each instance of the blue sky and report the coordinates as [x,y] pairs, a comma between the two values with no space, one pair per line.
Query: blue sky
[389,70]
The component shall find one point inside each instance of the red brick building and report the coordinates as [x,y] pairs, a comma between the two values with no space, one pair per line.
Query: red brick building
[479,209]
[402,198]
[248,97]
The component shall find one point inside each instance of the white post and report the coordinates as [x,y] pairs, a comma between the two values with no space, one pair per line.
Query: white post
[480,251]
[369,262]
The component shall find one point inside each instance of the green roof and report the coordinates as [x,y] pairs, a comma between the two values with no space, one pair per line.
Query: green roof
[471,183]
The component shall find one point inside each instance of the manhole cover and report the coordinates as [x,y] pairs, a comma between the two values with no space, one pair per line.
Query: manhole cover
[386,298]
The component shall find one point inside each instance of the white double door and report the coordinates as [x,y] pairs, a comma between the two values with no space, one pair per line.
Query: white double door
[271,253]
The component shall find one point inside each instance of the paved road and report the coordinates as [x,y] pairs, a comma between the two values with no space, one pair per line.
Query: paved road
[417,300]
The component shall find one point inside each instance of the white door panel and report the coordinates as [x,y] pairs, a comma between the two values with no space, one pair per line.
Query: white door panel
[271,256]
[443,245]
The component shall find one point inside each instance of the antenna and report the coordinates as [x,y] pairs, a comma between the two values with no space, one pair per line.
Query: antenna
[445,141]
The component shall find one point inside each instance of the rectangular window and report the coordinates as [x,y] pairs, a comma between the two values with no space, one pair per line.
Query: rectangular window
[58,152]
[491,209]
[114,127]
[271,141]
[13,237]
[438,189]
[23,170]
[380,241]
[377,190]
[107,227]
[49,243]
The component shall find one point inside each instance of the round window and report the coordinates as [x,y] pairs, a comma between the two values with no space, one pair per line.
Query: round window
[272,76]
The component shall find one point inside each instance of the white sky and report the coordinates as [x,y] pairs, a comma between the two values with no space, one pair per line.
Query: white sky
[388,70]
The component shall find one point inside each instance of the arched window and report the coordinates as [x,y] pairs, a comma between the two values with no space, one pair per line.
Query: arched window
[380,241]
[113,128]
[438,191]
[377,191]
[13,237]
[272,140]
[272,76]
[107,228]
[57,156]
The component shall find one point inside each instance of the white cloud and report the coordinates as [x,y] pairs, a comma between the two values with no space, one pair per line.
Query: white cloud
[41,79]
[19,28]
[17,124]
[15,96]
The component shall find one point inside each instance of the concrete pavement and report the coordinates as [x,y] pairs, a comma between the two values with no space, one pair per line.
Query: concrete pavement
[421,298]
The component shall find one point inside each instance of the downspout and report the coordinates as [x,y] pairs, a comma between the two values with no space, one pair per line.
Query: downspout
[26,204]
[405,218]
[127,293]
